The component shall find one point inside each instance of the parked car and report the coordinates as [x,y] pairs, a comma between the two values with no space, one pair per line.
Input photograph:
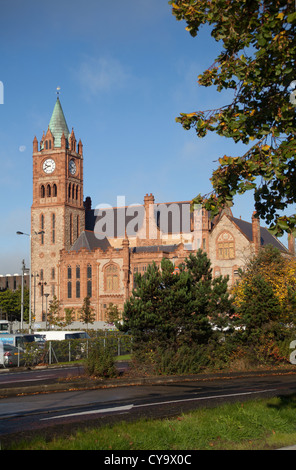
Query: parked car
[9,355]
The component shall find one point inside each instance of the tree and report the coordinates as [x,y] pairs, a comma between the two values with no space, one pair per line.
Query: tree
[113,315]
[279,273]
[69,316]
[10,303]
[265,301]
[87,314]
[54,312]
[170,311]
[257,62]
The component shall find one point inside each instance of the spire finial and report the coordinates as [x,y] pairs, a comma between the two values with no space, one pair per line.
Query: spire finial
[58,90]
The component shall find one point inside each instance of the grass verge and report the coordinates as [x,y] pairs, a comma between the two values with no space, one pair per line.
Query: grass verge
[253,425]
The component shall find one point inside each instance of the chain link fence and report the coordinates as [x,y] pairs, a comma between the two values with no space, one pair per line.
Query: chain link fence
[64,351]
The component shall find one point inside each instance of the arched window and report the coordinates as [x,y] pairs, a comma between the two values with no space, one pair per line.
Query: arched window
[46,145]
[78,289]
[53,228]
[69,289]
[42,229]
[77,226]
[89,280]
[54,190]
[112,278]
[69,191]
[42,191]
[225,246]
[48,191]
[78,272]
[71,229]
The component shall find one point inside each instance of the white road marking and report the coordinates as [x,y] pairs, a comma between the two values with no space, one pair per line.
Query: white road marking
[129,407]
[103,410]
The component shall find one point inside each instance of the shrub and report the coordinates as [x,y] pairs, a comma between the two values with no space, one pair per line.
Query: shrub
[100,361]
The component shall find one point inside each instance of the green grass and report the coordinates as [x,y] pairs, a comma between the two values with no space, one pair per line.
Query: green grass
[258,424]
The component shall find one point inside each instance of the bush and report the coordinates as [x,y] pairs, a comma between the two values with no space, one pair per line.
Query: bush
[100,361]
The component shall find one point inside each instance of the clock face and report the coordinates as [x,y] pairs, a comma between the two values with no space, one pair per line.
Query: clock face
[72,167]
[49,165]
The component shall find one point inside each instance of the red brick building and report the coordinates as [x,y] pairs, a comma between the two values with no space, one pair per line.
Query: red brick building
[78,251]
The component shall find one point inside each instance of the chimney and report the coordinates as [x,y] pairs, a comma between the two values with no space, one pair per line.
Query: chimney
[256,233]
[149,213]
[87,204]
[291,243]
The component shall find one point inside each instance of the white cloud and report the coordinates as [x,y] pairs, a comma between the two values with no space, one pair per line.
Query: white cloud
[102,74]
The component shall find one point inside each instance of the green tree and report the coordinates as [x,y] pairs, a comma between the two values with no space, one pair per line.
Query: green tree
[54,312]
[69,316]
[87,314]
[170,310]
[265,301]
[10,304]
[257,62]
[113,315]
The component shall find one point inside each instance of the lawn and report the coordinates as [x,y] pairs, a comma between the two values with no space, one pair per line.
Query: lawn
[251,425]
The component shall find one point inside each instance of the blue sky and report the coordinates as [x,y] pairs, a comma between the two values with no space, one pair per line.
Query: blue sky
[126,70]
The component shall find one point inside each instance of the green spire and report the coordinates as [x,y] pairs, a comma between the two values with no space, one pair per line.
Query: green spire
[58,124]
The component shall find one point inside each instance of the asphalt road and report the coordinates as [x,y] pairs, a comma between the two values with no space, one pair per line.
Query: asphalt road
[60,411]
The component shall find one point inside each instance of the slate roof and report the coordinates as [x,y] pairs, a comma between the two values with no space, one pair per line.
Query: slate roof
[266,237]
[132,217]
[89,241]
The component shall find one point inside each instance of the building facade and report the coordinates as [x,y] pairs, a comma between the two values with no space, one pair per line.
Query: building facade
[78,251]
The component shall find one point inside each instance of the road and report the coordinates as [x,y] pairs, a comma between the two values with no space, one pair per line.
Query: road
[55,410]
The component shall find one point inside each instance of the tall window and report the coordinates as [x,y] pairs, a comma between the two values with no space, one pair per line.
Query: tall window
[42,229]
[78,289]
[77,226]
[78,281]
[53,228]
[112,278]
[77,271]
[89,280]
[69,289]
[71,229]
[225,246]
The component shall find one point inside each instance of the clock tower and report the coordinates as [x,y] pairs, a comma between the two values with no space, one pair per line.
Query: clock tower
[57,212]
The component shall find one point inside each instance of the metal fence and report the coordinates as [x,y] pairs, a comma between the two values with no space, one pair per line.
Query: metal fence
[55,352]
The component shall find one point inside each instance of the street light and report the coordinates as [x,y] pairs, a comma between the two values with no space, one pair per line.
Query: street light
[46,296]
[30,289]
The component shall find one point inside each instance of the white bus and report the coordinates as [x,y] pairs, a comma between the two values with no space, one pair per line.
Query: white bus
[20,340]
[4,326]
[62,335]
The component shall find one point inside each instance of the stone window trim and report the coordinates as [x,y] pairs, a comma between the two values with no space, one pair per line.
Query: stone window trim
[225,246]
[111,277]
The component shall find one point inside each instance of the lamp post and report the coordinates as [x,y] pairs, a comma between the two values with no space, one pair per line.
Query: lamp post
[46,296]
[42,284]
[30,289]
